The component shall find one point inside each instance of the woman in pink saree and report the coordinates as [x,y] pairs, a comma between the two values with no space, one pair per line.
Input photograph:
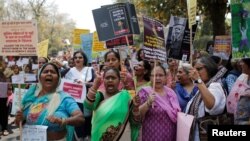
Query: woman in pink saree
[158,109]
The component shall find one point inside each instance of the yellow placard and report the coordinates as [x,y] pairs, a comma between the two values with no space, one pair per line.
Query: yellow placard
[77,34]
[43,48]
[97,45]
[192,5]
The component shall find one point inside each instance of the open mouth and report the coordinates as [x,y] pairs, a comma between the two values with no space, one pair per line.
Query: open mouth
[49,79]
[110,87]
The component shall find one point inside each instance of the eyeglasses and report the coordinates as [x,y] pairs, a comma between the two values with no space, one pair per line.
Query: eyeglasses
[199,68]
[79,57]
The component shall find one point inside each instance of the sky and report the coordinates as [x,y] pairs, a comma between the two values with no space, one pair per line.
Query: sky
[81,11]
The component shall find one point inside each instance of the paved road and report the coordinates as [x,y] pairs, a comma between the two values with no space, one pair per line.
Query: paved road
[14,132]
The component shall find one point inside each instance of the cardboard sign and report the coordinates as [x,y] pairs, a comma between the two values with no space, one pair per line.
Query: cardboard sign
[18,38]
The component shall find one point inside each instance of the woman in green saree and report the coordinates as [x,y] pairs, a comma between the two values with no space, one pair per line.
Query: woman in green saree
[112,110]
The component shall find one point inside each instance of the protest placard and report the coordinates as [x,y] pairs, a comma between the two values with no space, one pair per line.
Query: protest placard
[87,41]
[18,93]
[34,133]
[121,41]
[222,47]
[240,28]
[77,91]
[113,21]
[154,44]
[18,38]
[178,41]
[43,48]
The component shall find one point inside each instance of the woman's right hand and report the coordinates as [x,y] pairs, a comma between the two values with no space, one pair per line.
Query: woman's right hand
[97,80]
[151,99]
[19,117]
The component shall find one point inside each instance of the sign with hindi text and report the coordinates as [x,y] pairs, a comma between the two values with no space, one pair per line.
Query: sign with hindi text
[18,38]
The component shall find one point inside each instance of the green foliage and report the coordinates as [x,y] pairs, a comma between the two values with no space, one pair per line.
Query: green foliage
[201,43]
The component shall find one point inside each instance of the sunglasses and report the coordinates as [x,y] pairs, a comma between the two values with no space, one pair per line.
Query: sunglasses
[199,68]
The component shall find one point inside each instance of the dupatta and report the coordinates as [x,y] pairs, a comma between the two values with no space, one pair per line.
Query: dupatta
[168,103]
[110,116]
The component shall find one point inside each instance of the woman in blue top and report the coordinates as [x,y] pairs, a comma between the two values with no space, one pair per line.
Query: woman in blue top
[185,88]
[44,105]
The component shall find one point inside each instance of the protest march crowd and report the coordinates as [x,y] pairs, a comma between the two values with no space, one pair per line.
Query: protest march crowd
[149,95]
[111,111]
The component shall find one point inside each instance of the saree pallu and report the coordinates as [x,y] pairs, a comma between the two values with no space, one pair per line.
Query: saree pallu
[111,116]
[37,109]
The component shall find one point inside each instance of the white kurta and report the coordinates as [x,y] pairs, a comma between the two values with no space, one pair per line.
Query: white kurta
[218,108]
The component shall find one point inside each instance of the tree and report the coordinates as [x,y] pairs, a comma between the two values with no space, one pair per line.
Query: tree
[213,10]
[51,24]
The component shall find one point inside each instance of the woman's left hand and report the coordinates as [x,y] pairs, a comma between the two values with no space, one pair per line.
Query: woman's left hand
[55,120]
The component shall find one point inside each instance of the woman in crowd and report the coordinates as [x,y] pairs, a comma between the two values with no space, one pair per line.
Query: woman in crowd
[3,105]
[42,61]
[233,74]
[82,74]
[112,59]
[210,98]
[242,114]
[185,88]
[159,107]
[140,55]
[112,109]
[45,105]
[171,72]
[142,73]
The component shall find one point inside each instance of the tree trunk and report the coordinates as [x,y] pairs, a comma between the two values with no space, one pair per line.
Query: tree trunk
[217,11]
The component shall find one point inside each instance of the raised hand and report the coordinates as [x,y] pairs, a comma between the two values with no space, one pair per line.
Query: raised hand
[97,80]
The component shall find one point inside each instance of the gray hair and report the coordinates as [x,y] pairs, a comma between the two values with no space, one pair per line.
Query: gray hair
[185,66]
[210,65]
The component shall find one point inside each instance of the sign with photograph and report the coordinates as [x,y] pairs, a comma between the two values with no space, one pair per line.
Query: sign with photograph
[115,20]
[178,41]
[154,44]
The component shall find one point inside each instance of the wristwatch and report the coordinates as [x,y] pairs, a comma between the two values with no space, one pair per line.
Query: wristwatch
[198,81]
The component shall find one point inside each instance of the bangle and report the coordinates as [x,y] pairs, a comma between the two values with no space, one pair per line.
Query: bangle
[63,122]
[90,100]
[92,90]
